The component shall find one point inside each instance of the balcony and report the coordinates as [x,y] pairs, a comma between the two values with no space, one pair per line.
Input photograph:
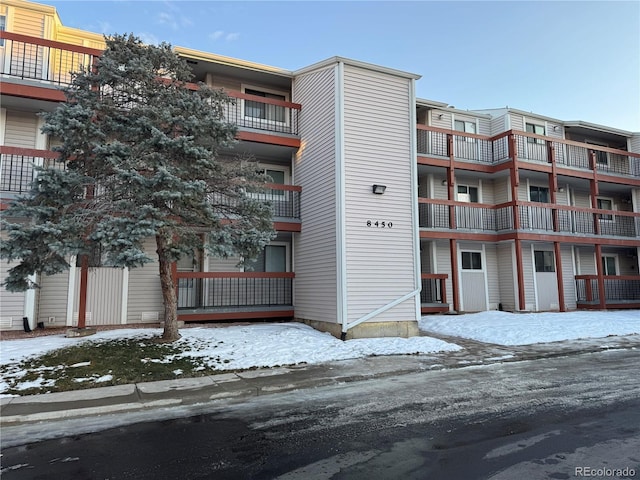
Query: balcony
[542,218]
[36,62]
[619,291]
[234,295]
[17,168]
[433,296]
[443,144]
[17,172]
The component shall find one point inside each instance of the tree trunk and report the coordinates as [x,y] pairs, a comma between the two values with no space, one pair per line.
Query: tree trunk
[170,333]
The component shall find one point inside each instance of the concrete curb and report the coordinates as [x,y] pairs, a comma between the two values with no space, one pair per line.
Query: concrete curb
[243,385]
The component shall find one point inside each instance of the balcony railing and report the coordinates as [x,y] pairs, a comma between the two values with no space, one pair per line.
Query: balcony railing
[38,59]
[536,217]
[433,288]
[49,62]
[466,216]
[549,217]
[17,172]
[440,143]
[618,289]
[209,290]
[17,167]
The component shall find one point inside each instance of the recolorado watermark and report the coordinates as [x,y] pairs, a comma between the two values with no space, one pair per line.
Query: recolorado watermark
[626,472]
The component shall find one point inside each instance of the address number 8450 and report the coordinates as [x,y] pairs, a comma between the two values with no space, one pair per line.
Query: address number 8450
[379,224]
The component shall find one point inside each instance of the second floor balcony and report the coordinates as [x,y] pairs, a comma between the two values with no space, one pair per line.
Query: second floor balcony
[531,217]
[18,170]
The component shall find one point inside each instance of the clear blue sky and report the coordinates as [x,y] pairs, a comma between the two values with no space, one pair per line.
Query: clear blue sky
[569,60]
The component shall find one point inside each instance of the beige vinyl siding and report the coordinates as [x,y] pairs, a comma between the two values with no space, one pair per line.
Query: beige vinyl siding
[501,187]
[582,199]
[377,149]
[506,280]
[145,294]
[27,22]
[443,265]
[216,81]
[585,258]
[517,121]
[315,170]
[224,264]
[445,122]
[21,129]
[53,298]
[11,303]
[498,124]
[634,144]
[440,191]
[104,296]
[529,272]
[484,126]
[568,280]
[493,280]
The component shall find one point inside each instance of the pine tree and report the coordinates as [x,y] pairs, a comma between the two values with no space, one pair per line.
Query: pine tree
[139,158]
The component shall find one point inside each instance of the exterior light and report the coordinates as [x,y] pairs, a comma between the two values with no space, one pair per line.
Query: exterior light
[379,189]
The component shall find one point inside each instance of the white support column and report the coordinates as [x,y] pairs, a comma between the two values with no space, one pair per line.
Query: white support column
[30,303]
[124,305]
[71,292]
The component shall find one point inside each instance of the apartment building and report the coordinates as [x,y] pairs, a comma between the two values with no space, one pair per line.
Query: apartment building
[387,206]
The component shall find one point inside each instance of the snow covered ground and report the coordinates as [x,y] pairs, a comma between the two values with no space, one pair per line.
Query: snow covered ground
[504,328]
[268,345]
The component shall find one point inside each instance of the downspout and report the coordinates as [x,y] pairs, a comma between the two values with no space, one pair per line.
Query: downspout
[415,230]
[341,226]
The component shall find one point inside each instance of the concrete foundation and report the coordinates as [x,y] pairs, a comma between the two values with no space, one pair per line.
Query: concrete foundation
[400,328]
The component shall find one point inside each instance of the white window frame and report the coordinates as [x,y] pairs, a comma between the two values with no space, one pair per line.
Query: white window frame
[287,253]
[534,127]
[465,128]
[615,262]
[539,187]
[245,87]
[553,264]
[482,262]
[468,194]
[606,217]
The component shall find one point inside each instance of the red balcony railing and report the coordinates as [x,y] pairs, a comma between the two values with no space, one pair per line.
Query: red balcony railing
[434,288]
[17,167]
[211,290]
[442,143]
[618,289]
[535,217]
[48,62]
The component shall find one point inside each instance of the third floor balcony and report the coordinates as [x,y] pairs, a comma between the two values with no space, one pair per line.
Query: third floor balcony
[37,68]
[437,143]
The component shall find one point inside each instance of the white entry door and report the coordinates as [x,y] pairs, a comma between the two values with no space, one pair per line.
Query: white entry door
[546,280]
[472,281]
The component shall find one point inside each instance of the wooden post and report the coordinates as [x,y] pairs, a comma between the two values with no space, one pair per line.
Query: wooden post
[455,288]
[451,180]
[556,251]
[84,275]
[595,190]
[553,185]
[600,270]
[520,275]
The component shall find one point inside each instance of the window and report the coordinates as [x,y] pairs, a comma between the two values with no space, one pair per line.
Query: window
[3,25]
[471,261]
[602,158]
[264,111]
[536,129]
[605,204]
[609,264]
[466,127]
[544,261]
[274,258]
[467,194]
[538,194]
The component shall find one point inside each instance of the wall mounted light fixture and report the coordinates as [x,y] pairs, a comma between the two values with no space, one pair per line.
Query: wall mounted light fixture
[444,182]
[379,189]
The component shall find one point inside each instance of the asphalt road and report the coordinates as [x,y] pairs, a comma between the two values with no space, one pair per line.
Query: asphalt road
[521,420]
